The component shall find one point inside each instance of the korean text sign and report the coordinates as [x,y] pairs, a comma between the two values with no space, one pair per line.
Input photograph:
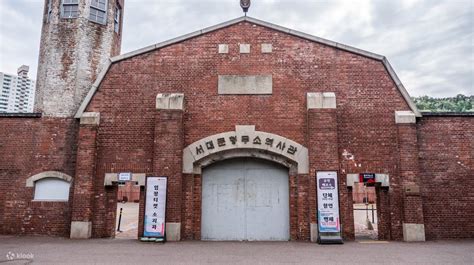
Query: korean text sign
[155,207]
[328,202]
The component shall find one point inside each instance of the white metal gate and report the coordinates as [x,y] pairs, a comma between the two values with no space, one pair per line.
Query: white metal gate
[245,199]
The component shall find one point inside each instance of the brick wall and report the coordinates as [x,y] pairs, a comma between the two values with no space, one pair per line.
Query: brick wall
[366,101]
[359,136]
[361,192]
[83,209]
[447,171]
[168,155]
[29,146]
[128,192]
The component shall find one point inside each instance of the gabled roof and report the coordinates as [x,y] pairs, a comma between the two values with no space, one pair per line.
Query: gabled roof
[302,35]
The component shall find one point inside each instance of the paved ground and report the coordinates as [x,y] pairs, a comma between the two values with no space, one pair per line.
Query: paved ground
[45,250]
[129,223]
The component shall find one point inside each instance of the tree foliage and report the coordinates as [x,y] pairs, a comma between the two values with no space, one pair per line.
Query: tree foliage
[459,103]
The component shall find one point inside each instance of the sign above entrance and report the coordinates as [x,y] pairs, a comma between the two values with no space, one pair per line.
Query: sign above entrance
[245,138]
[125,176]
[383,179]
[367,177]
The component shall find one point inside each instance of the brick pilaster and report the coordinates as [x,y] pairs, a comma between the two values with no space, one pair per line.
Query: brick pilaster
[383,213]
[293,200]
[323,149]
[187,215]
[197,196]
[82,205]
[141,212]
[168,157]
[413,229]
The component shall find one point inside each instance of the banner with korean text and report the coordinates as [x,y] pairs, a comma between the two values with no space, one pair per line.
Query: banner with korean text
[328,202]
[155,207]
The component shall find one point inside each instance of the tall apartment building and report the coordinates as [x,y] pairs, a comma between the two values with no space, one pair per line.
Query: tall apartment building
[17,92]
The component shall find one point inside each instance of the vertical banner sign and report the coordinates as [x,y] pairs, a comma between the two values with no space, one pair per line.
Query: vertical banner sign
[328,204]
[155,207]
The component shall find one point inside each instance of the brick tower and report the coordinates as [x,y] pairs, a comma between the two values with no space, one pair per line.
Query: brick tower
[77,39]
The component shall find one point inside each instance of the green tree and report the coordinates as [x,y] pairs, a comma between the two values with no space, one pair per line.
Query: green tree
[459,103]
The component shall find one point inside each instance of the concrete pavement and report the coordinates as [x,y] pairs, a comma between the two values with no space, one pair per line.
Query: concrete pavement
[129,223]
[45,250]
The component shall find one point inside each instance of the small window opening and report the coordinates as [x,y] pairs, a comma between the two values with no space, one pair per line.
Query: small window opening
[51,189]
[118,11]
[70,9]
[98,11]
[50,10]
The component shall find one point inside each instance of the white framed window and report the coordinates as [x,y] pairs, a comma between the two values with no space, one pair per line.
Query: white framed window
[50,186]
[70,8]
[98,11]
[118,11]
[51,189]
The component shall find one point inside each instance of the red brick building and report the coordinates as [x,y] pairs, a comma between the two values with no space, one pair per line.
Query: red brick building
[128,192]
[250,100]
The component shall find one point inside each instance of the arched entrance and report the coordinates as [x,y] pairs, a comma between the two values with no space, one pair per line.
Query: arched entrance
[245,199]
[277,164]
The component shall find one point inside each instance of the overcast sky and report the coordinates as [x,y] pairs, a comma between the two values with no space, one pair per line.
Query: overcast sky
[430,43]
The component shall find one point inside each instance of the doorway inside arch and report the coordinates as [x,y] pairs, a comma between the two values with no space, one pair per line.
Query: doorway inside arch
[128,201]
[365,211]
[245,199]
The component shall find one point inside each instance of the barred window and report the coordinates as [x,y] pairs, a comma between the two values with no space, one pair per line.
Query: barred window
[70,9]
[117,18]
[98,11]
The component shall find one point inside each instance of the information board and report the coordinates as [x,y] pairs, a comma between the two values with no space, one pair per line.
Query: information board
[155,207]
[328,202]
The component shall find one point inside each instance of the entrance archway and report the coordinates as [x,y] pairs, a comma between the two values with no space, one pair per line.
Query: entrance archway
[245,142]
[245,199]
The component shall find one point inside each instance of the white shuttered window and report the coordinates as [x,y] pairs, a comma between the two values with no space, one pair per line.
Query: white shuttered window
[70,9]
[98,11]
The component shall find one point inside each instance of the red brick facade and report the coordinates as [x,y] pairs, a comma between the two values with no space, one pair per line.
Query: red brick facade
[29,146]
[128,192]
[446,155]
[359,135]
[362,193]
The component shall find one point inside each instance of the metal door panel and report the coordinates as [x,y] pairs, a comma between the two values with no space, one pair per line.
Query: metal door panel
[267,218]
[245,199]
[223,206]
